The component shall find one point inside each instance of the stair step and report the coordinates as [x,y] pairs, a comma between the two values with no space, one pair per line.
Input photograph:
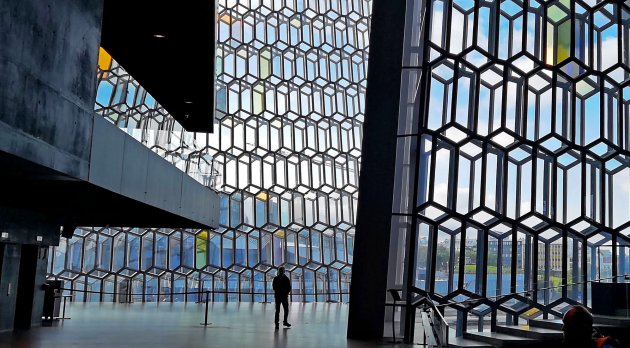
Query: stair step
[554,324]
[608,320]
[498,339]
[533,332]
[460,342]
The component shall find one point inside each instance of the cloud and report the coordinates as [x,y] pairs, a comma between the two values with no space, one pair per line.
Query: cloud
[609,51]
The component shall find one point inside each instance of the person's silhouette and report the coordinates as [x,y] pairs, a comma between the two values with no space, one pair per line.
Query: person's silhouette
[577,326]
[281,288]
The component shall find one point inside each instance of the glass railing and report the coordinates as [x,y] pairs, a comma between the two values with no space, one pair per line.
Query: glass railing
[123,102]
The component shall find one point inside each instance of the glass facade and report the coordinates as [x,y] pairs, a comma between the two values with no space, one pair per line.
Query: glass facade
[285,157]
[513,163]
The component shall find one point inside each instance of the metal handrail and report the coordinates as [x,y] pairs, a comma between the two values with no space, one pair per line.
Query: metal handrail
[527,293]
[442,331]
[441,328]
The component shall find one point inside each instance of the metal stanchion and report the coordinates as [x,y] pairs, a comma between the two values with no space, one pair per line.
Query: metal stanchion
[63,313]
[206,323]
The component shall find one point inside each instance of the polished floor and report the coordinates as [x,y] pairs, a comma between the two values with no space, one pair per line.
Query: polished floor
[157,325]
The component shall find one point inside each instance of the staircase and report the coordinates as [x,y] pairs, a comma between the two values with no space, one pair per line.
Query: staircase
[532,335]
[541,333]
[537,334]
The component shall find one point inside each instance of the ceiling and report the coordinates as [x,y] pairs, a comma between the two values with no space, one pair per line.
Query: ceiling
[169,48]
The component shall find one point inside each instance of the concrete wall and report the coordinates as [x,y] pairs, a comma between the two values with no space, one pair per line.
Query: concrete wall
[48,57]
[121,164]
[48,60]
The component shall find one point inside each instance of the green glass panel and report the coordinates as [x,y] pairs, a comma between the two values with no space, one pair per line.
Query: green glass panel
[556,14]
[219,66]
[563,42]
[265,64]
[201,249]
[259,98]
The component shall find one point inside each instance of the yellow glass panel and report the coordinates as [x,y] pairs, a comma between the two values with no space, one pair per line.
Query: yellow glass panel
[531,312]
[564,42]
[104,60]
[263,196]
[550,44]
[226,18]
[203,235]
[201,249]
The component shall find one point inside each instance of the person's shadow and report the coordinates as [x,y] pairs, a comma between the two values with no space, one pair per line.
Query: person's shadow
[280,339]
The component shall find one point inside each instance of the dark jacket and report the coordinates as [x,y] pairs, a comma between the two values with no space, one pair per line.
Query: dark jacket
[597,341]
[281,286]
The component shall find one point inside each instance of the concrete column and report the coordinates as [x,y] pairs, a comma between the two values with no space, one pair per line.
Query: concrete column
[370,267]
[9,274]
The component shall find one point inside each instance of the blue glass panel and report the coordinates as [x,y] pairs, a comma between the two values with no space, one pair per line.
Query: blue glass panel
[76,254]
[261,214]
[189,250]
[147,251]
[215,249]
[228,252]
[104,252]
[161,250]
[252,251]
[133,252]
[89,258]
[241,250]
[175,250]
[223,209]
[119,252]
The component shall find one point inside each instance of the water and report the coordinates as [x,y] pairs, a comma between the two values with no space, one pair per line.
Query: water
[441,285]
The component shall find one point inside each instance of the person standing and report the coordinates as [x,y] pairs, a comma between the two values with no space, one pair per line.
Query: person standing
[281,288]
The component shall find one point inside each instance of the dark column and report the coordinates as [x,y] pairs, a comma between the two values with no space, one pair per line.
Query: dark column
[38,292]
[26,283]
[9,285]
[26,237]
[30,298]
[376,183]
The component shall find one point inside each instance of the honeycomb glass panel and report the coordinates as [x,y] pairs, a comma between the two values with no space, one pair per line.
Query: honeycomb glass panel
[285,157]
[521,138]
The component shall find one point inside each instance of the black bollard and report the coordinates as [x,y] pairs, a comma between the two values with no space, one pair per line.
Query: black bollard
[206,323]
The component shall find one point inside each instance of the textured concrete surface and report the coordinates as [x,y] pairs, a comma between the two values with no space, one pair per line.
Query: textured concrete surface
[47,73]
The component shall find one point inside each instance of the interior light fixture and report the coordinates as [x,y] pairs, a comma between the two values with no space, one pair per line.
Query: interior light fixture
[159,36]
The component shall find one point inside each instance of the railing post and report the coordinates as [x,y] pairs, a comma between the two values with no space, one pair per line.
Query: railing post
[206,323]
